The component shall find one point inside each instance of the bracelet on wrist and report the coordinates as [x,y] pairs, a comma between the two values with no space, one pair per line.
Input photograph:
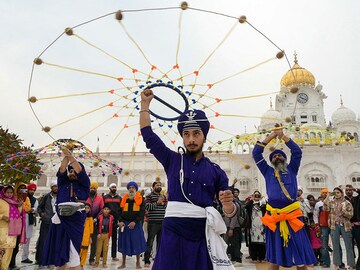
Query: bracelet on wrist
[141,111]
[232,213]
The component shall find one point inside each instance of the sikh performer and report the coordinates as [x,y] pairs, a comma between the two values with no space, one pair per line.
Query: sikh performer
[190,237]
[287,243]
[63,243]
[131,234]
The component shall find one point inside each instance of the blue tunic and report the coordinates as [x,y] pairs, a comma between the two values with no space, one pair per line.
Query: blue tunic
[81,187]
[57,243]
[183,243]
[299,249]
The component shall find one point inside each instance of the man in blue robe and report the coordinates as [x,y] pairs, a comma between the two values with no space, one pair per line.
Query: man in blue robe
[287,243]
[63,243]
[191,227]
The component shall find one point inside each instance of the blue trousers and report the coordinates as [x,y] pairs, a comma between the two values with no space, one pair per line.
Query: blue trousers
[335,238]
[325,257]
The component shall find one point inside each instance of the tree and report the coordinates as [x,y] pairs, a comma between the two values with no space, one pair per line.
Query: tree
[17,162]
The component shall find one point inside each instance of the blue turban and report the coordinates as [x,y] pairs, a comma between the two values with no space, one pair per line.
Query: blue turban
[70,167]
[132,183]
[277,151]
[192,119]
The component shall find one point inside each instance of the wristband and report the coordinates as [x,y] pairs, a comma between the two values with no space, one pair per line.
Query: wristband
[148,111]
[232,213]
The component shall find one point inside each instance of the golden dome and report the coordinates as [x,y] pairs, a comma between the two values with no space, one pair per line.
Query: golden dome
[297,76]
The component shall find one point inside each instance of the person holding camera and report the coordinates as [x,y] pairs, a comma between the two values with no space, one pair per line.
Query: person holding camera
[234,230]
[63,243]
[256,209]
[341,211]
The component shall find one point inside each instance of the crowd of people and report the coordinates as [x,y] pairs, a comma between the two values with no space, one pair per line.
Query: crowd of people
[327,217]
[128,217]
[199,223]
[330,215]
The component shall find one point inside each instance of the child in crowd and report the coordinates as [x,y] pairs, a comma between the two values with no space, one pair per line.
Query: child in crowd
[315,239]
[88,231]
[104,225]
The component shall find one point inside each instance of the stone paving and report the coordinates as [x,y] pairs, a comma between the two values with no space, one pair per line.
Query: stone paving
[130,262]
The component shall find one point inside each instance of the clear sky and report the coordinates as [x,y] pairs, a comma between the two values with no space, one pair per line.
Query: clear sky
[325,34]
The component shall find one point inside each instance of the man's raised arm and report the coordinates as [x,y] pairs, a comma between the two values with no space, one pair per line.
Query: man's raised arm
[146,97]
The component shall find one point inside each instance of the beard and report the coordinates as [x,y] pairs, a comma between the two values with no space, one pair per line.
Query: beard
[280,166]
[194,152]
[92,192]
[131,195]
[158,190]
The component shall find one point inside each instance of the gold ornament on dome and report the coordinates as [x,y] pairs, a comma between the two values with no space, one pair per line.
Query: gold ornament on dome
[297,75]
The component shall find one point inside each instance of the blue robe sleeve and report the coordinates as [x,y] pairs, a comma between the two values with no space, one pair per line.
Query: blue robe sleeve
[259,158]
[296,155]
[223,183]
[83,182]
[61,177]
[157,147]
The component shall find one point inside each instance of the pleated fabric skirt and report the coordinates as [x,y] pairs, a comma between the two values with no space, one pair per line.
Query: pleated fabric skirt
[132,241]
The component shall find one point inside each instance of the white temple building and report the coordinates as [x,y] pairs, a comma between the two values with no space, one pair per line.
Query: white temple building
[331,148]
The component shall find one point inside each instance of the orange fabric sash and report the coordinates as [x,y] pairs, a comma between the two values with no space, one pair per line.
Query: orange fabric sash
[292,218]
[138,199]
[289,213]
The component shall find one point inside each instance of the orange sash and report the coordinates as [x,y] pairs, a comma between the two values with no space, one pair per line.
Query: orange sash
[289,213]
[138,199]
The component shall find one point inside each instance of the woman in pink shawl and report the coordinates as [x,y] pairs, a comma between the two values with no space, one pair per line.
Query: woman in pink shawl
[11,224]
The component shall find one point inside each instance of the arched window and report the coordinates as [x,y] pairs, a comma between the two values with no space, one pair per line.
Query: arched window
[314,118]
[303,118]
[317,181]
[244,184]
[293,119]
[355,179]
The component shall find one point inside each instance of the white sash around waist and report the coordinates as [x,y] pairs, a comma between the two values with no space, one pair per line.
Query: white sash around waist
[215,226]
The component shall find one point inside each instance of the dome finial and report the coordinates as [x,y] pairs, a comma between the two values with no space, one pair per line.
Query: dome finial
[341,101]
[271,103]
[295,57]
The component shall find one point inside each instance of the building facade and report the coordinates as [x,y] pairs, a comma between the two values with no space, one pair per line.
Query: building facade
[331,150]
